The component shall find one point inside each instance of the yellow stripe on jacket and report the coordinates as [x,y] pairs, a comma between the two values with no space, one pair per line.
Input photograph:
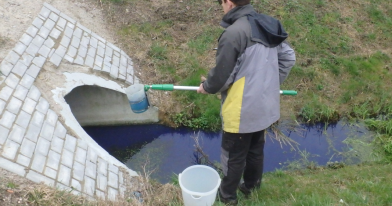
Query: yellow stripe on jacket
[231,109]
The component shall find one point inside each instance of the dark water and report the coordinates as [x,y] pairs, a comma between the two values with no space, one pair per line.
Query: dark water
[169,151]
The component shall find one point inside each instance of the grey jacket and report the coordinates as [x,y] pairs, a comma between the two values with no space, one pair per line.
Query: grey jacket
[251,62]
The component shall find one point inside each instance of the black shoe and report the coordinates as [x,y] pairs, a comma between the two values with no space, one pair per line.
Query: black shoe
[244,190]
[227,201]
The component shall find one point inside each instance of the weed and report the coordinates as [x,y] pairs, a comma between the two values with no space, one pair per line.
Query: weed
[11,185]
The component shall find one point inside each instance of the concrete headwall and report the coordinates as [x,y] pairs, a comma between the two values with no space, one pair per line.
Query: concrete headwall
[93,106]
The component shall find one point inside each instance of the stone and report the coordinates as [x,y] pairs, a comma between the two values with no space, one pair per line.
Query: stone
[38,119]
[6,93]
[78,33]
[23,119]
[78,171]
[61,23]
[80,155]
[32,31]
[32,49]
[55,33]
[101,51]
[112,194]
[38,22]
[38,178]
[3,134]
[53,17]
[47,131]
[64,175]
[17,134]
[51,117]
[39,61]
[82,51]
[33,132]
[6,67]
[23,160]
[44,51]
[60,130]
[44,32]
[89,186]
[2,106]
[67,158]
[85,41]
[98,61]
[50,172]
[102,182]
[12,57]
[21,92]
[94,42]
[34,93]
[38,162]
[43,146]
[60,51]
[12,81]
[50,7]
[26,39]
[67,18]
[56,60]
[10,149]
[65,41]
[26,59]
[12,167]
[70,143]
[75,42]
[27,148]
[68,32]
[33,71]
[44,12]
[53,160]
[29,105]
[98,37]
[91,169]
[76,185]
[14,105]
[38,41]
[102,167]
[19,69]
[114,72]
[91,51]
[20,48]
[79,60]
[89,61]
[57,144]
[43,105]
[49,24]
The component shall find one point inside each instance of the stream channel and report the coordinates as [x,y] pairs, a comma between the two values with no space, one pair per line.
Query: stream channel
[167,151]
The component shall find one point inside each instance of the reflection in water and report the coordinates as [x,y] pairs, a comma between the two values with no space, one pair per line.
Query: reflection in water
[169,151]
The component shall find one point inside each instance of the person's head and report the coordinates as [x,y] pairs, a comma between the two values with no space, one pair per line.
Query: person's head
[230,4]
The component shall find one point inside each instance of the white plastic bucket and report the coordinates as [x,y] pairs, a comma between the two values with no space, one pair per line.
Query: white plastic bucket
[199,185]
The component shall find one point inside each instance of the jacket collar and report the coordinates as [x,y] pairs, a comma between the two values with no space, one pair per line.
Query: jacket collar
[236,13]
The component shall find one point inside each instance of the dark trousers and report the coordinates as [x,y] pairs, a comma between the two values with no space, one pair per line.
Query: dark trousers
[242,155]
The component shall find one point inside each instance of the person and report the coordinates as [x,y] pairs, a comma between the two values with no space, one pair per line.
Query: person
[252,60]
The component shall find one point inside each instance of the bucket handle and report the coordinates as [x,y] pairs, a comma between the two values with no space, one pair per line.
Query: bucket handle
[196,198]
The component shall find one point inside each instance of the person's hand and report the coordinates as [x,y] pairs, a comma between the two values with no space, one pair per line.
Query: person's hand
[201,89]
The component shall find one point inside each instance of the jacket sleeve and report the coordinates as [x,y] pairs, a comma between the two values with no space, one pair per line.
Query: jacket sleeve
[226,57]
[286,58]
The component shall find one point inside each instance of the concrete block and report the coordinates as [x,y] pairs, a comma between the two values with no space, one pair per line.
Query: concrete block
[38,163]
[97,68]
[106,68]
[23,119]
[38,119]
[43,32]
[116,53]
[89,61]
[72,51]
[20,48]
[53,160]
[91,155]
[82,51]
[26,81]
[27,148]
[54,17]
[102,182]
[61,23]
[113,168]
[68,58]
[116,61]
[26,59]
[33,132]
[76,185]
[98,37]
[51,117]
[42,147]
[79,60]
[17,134]
[91,170]
[14,105]
[101,51]
[85,41]
[21,92]
[67,158]
[55,33]
[57,144]
[60,51]
[75,42]
[92,51]
[129,79]
[43,105]
[12,167]
[49,43]
[120,178]
[44,12]
[94,42]
[26,39]
[38,178]
[10,149]
[12,57]
[114,72]
[44,51]
[33,71]
[130,69]
[108,60]
[78,171]
[102,167]
[65,40]
[38,41]
[89,186]
[98,61]
[80,155]
[34,93]
[122,71]
[32,49]
[78,33]
[23,160]
[50,173]
[6,93]
[38,22]
[50,7]
[60,130]
[56,59]
[2,106]
[64,175]
[71,25]
[82,144]
[67,18]
[68,32]
[29,105]
[101,195]
[32,31]
[109,51]
[19,69]
[8,119]
[6,67]
[112,194]
[3,134]
[49,24]
[39,61]
[70,143]
[47,131]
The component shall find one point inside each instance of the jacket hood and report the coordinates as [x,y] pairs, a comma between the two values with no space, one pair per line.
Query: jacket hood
[265,29]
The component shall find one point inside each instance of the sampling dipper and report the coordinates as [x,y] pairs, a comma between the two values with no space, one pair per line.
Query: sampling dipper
[138,100]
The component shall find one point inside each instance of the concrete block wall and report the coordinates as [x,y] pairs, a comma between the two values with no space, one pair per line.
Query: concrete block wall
[34,141]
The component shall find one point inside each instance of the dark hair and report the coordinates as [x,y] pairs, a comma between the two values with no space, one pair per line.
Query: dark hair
[240,2]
